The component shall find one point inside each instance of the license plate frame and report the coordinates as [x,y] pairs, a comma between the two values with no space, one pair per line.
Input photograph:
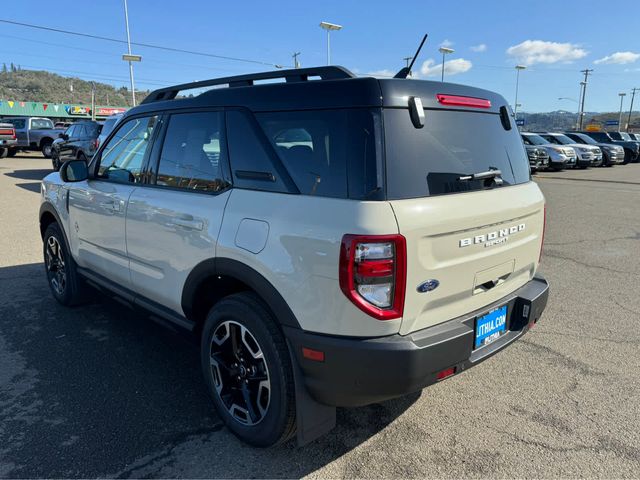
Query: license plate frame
[490,327]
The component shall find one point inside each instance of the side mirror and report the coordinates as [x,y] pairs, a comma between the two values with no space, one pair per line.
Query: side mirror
[63,136]
[74,171]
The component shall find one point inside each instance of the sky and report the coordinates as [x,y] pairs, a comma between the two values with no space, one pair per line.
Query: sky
[555,40]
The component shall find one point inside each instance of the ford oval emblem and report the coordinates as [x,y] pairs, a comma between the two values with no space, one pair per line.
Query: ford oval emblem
[429,285]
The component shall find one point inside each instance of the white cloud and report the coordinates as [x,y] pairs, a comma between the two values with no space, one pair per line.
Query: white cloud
[479,48]
[619,57]
[447,43]
[539,51]
[451,67]
[384,73]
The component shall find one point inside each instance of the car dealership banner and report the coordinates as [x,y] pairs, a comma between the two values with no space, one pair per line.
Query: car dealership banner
[11,108]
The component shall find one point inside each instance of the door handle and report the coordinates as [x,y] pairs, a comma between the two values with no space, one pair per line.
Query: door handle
[190,224]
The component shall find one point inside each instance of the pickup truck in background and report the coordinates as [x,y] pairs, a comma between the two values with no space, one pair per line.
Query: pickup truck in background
[7,138]
[34,133]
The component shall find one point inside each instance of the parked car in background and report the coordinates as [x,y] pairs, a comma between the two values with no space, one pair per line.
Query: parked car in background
[612,154]
[7,139]
[560,156]
[588,155]
[107,127]
[78,142]
[631,148]
[635,136]
[538,158]
[62,125]
[34,133]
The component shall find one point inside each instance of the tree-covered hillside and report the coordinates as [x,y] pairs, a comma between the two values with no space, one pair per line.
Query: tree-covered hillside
[39,86]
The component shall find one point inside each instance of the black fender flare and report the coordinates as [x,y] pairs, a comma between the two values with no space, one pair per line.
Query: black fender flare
[228,267]
[47,207]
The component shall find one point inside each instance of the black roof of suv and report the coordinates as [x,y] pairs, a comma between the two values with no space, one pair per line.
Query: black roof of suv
[308,88]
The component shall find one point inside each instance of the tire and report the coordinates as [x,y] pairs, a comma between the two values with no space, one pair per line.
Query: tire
[55,162]
[62,275]
[268,418]
[4,152]
[12,152]
[45,148]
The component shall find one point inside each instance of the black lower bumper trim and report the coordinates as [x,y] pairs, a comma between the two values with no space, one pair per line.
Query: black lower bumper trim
[359,372]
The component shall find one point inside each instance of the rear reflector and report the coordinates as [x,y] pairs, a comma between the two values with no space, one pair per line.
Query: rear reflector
[457,100]
[311,354]
[448,372]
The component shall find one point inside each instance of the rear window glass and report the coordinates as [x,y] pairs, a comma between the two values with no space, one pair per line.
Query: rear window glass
[452,144]
[18,123]
[329,153]
[41,123]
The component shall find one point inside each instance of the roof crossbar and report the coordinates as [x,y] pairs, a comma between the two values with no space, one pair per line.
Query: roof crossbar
[293,75]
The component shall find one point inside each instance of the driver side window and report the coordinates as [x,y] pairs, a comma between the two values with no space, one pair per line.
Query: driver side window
[123,157]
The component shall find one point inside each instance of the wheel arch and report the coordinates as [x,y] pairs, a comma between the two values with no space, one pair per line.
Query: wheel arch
[215,278]
[45,141]
[47,216]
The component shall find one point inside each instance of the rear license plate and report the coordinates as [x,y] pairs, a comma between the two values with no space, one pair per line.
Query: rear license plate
[491,326]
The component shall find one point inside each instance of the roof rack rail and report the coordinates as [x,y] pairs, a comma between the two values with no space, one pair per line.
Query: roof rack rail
[293,75]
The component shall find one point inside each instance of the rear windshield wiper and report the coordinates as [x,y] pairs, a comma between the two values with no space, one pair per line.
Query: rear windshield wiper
[493,173]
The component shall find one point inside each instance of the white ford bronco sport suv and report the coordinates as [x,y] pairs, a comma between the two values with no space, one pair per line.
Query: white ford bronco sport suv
[333,240]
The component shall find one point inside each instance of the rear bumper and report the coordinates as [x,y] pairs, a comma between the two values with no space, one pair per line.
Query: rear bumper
[359,372]
[8,142]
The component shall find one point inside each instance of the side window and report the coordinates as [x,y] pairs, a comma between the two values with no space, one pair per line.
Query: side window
[123,157]
[251,163]
[193,152]
[80,132]
[69,131]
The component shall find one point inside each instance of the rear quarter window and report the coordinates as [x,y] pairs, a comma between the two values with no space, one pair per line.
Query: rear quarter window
[328,153]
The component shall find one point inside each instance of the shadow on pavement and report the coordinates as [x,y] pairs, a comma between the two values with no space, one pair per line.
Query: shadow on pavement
[31,186]
[32,174]
[100,390]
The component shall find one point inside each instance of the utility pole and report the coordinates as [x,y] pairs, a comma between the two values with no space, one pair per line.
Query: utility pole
[408,59]
[633,94]
[586,72]
[93,101]
[295,56]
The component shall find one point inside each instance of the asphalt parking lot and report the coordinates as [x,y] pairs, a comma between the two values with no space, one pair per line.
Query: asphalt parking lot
[98,391]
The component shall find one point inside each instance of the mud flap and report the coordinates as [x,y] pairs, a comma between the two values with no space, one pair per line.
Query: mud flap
[313,419]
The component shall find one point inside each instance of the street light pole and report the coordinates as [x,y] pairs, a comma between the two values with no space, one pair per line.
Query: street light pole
[444,51]
[329,27]
[515,105]
[621,95]
[133,88]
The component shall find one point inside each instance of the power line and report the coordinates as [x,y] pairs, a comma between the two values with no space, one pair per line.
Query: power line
[146,45]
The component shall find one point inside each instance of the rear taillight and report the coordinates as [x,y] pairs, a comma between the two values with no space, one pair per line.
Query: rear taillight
[373,273]
[544,227]
[96,143]
[460,101]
